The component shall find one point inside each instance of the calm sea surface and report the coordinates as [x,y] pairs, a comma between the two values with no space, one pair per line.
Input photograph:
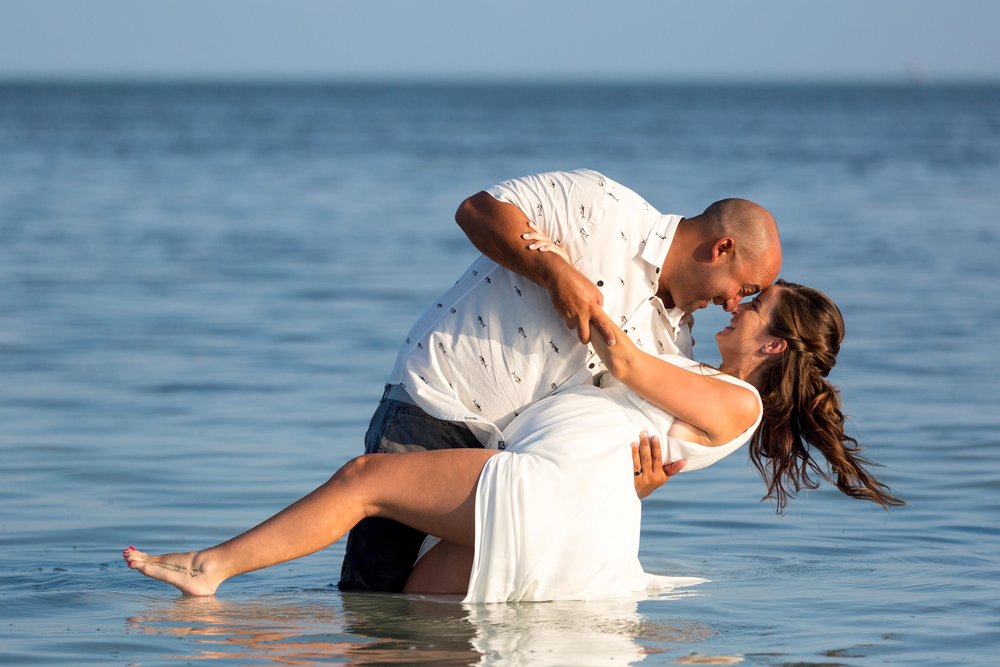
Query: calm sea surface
[203,288]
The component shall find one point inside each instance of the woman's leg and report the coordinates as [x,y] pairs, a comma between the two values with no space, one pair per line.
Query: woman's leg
[431,491]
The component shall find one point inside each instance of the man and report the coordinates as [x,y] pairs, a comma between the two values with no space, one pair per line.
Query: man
[501,338]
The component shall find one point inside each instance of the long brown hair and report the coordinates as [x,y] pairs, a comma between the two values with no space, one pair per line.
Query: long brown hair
[802,412]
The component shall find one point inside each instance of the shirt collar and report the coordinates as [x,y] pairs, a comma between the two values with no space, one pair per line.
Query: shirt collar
[655,253]
[659,239]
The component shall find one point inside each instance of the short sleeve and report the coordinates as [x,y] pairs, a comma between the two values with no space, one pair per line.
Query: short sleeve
[560,203]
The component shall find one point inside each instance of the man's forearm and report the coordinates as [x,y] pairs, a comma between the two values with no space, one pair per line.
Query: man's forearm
[495,229]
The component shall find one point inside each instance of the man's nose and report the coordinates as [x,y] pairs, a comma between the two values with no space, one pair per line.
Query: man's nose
[729,305]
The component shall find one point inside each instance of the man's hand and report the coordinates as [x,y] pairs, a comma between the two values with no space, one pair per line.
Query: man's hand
[503,233]
[688,319]
[647,462]
[580,304]
[576,300]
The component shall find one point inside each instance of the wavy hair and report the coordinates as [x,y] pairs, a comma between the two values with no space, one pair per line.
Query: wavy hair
[802,412]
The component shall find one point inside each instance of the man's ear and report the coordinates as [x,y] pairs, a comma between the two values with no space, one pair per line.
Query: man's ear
[775,346]
[723,247]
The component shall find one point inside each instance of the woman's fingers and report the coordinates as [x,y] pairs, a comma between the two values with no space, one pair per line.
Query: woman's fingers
[669,469]
[645,452]
[648,467]
[650,473]
[674,467]
[542,243]
[537,238]
[655,455]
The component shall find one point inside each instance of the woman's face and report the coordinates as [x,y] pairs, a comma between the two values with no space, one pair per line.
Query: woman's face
[747,332]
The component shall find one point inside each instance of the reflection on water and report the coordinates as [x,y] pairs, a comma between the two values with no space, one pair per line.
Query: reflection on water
[359,629]
[573,633]
[281,630]
[309,629]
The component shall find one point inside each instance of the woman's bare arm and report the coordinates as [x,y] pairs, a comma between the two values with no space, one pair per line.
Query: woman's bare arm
[721,409]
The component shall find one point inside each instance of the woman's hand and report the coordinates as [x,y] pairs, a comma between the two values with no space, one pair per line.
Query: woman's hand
[647,462]
[617,351]
[542,243]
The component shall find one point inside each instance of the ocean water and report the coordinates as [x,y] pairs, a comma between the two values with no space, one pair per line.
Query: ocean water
[204,287]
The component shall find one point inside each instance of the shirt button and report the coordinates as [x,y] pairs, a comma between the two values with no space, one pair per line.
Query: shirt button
[600,283]
[657,269]
[592,365]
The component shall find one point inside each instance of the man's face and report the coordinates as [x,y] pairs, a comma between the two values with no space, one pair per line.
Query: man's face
[722,282]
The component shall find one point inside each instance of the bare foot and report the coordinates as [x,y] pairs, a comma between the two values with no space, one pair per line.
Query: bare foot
[187,571]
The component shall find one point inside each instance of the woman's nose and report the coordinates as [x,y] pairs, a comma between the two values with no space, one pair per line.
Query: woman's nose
[730,305]
[740,307]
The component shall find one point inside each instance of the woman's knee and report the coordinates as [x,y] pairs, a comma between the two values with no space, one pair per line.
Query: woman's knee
[354,476]
[354,471]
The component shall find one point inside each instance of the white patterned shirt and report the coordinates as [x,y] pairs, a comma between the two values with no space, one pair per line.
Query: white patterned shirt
[493,344]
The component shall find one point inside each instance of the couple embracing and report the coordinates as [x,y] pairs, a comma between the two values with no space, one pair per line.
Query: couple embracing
[514,399]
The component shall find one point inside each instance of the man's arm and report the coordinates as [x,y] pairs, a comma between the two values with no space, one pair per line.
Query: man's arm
[495,228]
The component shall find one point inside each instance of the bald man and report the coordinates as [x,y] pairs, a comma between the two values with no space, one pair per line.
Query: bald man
[515,327]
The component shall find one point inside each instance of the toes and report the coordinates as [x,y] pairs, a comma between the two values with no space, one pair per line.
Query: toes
[133,557]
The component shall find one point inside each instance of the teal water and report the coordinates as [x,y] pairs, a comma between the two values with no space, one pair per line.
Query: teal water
[205,286]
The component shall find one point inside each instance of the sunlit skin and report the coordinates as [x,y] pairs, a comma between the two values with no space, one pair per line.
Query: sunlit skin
[745,342]
[713,272]
[701,269]
[707,411]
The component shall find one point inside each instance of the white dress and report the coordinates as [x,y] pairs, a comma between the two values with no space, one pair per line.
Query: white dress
[557,517]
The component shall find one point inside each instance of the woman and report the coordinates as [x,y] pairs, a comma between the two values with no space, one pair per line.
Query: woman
[555,516]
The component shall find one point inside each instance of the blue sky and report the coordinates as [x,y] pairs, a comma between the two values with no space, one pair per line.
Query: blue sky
[518,39]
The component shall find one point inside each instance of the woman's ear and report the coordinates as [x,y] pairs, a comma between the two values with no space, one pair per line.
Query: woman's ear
[775,346]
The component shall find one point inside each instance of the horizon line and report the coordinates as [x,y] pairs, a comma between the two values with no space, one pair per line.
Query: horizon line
[63,78]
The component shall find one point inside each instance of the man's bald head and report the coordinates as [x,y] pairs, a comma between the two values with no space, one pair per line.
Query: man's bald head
[749,224]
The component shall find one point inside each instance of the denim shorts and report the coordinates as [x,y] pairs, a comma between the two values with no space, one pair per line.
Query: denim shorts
[381,552]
